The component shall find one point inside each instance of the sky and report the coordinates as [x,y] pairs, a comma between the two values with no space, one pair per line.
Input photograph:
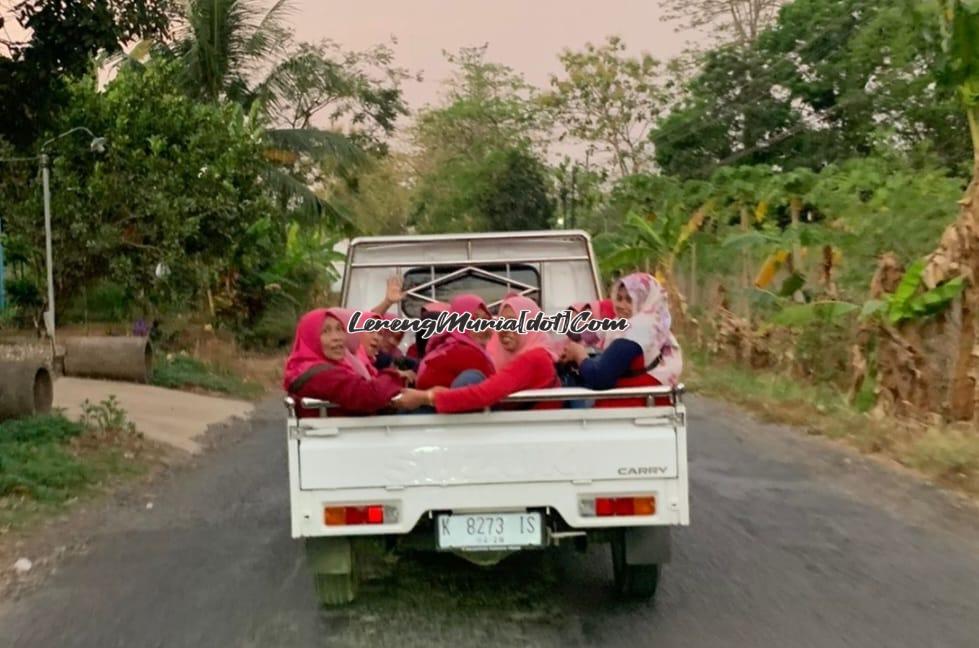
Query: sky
[527,35]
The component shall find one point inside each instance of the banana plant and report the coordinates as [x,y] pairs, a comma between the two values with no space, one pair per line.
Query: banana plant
[652,243]
[910,301]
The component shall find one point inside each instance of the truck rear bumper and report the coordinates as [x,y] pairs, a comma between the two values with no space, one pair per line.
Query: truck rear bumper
[406,507]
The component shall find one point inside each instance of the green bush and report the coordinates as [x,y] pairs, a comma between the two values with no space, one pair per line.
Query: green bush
[182,372]
[103,301]
[34,460]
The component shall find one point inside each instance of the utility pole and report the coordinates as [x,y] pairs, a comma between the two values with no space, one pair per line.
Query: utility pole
[574,189]
[3,274]
[46,182]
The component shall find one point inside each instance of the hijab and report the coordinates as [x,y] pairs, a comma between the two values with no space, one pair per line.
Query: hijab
[307,348]
[429,310]
[355,340]
[595,311]
[526,341]
[649,326]
[442,343]
[600,308]
[395,351]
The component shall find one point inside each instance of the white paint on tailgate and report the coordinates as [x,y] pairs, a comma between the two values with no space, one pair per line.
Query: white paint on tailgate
[486,453]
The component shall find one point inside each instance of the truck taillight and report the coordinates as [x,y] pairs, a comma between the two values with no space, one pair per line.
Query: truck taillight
[618,506]
[358,515]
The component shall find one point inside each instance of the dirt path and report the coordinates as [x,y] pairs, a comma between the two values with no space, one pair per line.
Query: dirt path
[175,418]
[794,542]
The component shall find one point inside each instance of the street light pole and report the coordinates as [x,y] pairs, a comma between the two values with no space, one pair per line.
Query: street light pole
[46,182]
[97,146]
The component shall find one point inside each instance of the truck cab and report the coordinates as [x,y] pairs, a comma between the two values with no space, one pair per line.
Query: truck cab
[488,484]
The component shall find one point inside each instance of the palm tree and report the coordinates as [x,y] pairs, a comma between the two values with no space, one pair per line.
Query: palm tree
[224,46]
[224,43]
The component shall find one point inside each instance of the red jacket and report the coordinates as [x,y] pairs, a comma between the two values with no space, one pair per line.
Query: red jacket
[354,394]
[531,370]
[643,379]
[441,370]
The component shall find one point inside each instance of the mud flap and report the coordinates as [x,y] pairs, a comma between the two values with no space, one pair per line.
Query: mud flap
[647,545]
[329,556]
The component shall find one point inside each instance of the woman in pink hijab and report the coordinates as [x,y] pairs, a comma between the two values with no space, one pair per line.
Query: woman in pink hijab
[363,346]
[523,361]
[321,366]
[450,354]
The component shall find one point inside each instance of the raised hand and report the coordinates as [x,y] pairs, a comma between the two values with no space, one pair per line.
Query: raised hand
[394,289]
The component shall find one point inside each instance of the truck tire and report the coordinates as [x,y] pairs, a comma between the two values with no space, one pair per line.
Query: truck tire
[632,580]
[334,568]
[334,590]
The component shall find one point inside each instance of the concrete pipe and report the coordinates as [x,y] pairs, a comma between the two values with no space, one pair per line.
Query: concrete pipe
[25,389]
[109,357]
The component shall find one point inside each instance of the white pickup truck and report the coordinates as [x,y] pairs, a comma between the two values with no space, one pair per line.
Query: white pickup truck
[485,485]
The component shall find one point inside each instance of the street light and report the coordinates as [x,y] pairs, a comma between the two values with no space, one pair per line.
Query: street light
[97,146]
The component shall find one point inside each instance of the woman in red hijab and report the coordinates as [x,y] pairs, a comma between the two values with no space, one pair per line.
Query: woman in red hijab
[321,366]
[599,309]
[429,311]
[523,361]
[449,354]
[389,349]
[362,345]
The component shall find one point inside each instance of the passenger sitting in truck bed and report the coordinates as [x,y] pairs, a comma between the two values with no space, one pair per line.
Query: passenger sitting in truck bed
[599,309]
[522,361]
[389,354]
[646,353]
[429,311]
[321,366]
[366,346]
[363,345]
[449,354]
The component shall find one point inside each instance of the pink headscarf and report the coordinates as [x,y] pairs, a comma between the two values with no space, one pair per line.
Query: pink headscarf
[434,307]
[649,326]
[355,340]
[307,348]
[595,310]
[396,337]
[442,343]
[527,341]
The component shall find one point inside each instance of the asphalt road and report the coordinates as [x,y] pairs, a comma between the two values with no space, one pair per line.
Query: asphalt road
[794,542]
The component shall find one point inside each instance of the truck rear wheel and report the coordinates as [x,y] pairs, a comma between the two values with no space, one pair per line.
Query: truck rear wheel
[333,590]
[632,580]
[334,567]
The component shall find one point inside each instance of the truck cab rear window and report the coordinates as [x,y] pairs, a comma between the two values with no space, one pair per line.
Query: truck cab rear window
[491,282]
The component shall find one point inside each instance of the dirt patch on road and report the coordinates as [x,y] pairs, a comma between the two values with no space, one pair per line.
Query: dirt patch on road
[50,532]
[164,415]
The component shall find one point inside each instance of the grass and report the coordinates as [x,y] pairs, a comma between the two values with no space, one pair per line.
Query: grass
[184,372]
[48,461]
[945,454]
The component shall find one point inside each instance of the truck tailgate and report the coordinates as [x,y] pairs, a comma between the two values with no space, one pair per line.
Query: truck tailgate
[495,448]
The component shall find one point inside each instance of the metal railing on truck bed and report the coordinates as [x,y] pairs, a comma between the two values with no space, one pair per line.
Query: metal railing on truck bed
[543,395]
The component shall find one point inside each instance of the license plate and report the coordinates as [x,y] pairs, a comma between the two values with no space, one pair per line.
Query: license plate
[490,531]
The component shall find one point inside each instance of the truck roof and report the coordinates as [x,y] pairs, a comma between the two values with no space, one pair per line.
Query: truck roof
[555,267]
[423,238]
